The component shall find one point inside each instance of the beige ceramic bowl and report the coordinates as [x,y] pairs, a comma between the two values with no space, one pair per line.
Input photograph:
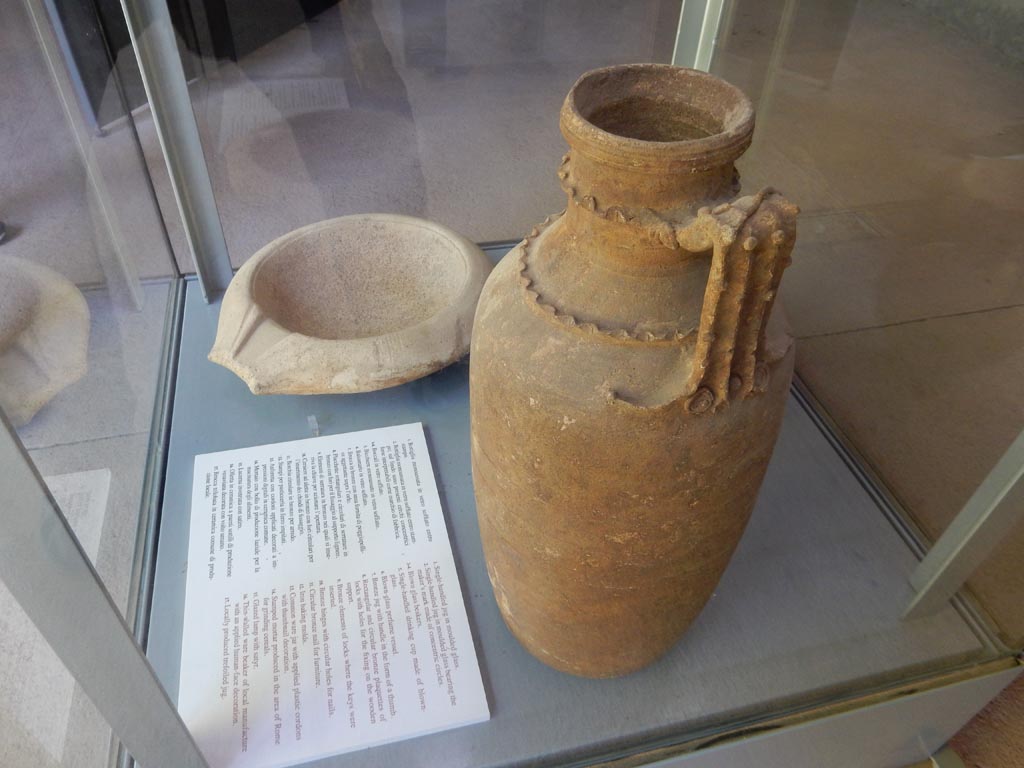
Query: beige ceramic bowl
[351,304]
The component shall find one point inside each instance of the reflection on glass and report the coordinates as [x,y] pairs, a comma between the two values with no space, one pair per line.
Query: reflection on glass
[445,110]
[45,718]
[85,277]
[901,139]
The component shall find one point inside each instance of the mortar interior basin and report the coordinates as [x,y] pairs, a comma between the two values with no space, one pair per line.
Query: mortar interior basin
[351,304]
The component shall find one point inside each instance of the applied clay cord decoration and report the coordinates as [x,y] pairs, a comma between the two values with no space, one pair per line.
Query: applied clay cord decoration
[750,246]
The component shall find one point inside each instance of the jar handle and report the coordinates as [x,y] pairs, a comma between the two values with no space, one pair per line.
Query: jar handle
[751,239]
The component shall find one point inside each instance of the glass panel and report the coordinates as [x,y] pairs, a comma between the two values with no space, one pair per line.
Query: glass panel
[899,132]
[45,718]
[444,110]
[449,112]
[86,278]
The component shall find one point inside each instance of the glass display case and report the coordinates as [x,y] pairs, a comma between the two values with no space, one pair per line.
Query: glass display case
[872,606]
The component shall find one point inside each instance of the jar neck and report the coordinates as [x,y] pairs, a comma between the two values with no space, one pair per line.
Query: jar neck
[606,200]
[668,191]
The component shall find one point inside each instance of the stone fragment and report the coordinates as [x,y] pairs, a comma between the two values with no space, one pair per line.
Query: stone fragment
[44,337]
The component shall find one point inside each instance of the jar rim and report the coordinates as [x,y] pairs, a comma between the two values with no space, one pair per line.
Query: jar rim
[650,115]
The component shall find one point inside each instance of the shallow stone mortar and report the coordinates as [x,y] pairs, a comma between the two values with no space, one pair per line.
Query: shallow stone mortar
[351,304]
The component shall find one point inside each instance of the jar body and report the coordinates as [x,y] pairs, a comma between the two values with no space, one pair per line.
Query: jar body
[615,467]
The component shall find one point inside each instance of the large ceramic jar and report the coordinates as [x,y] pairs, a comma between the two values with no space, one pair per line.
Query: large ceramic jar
[628,375]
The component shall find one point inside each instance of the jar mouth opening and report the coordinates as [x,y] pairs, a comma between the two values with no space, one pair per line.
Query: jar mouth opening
[659,109]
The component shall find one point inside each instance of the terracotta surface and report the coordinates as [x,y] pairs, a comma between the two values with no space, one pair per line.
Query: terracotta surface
[44,337]
[352,304]
[626,382]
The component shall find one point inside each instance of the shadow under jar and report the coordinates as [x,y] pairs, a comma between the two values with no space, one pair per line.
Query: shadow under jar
[628,375]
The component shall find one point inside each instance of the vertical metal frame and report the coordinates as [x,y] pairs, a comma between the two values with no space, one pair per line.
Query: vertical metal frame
[153,38]
[996,506]
[698,30]
[49,574]
[117,265]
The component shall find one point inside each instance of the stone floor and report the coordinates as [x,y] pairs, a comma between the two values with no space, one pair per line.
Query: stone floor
[902,140]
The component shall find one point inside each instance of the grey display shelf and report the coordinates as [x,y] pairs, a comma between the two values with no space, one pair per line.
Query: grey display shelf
[805,622]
